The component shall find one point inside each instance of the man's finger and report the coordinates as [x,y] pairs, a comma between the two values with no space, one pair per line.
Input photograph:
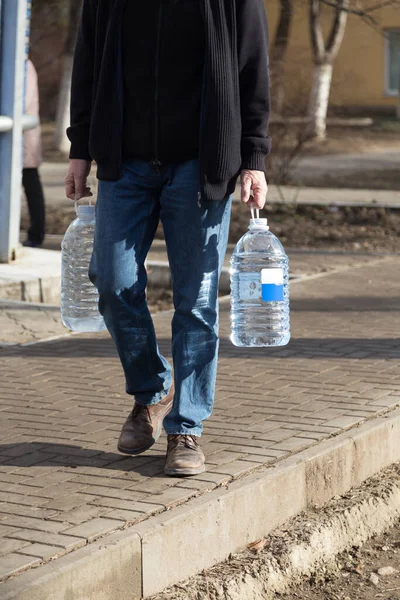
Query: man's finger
[246,189]
[259,197]
[80,187]
[70,188]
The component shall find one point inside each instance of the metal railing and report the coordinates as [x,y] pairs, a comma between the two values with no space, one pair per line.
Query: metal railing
[28,122]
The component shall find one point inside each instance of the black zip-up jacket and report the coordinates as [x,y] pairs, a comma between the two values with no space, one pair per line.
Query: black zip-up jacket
[235,96]
[163,49]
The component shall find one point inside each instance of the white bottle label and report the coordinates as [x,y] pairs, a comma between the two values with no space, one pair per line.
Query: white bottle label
[266,286]
[249,286]
[272,285]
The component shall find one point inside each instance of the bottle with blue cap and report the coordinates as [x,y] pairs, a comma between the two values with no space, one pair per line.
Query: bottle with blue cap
[79,297]
[259,270]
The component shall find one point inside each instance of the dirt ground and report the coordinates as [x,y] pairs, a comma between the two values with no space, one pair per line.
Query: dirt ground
[367,229]
[357,577]
[359,229]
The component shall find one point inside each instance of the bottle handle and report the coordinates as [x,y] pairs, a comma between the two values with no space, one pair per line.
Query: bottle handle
[76,204]
[256,211]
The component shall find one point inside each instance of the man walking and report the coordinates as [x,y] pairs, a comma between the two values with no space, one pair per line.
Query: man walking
[171,99]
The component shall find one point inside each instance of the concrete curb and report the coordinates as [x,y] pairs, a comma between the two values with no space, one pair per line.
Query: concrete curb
[36,289]
[209,528]
[285,562]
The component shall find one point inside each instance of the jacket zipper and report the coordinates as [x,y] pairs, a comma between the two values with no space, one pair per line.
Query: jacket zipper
[156,163]
[202,111]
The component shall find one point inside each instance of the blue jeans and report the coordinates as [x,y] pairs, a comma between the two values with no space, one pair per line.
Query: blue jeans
[196,233]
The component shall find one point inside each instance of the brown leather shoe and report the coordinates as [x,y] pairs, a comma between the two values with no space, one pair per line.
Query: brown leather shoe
[144,425]
[184,456]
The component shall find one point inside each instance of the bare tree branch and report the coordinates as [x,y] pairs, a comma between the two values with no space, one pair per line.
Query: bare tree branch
[317,38]
[360,12]
[338,28]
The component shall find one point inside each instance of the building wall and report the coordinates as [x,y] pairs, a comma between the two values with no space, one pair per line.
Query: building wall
[359,71]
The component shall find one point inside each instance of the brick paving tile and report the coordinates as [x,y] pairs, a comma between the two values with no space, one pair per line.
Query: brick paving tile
[252,451]
[69,502]
[309,435]
[55,491]
[31,523]
[235,468]
[223,457]
[387,401]
[126,515]
[13,563]
[173,495]
[213,477]
[292,444]
[344,422]
[153,485]
[112,482]
[198,486]
[264,426]
[94,528]
[8,546]
[109,492]
[42,551]
[6,508]
[328,413]
[80,514]
[52,539]
[45,480]
[140,506]
[6,527]
[276,435]
[19,499]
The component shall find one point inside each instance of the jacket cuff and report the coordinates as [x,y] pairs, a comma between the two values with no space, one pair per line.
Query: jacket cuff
[254,162]
[79,143]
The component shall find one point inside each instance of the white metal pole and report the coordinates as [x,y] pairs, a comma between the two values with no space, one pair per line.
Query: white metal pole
[12,72]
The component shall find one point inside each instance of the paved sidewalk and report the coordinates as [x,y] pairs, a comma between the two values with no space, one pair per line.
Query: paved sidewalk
[62,403]
[25,322]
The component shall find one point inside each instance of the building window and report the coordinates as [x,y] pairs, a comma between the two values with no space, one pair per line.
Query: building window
[393,62]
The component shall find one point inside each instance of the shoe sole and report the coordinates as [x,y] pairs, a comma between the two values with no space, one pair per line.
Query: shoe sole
[133,452]
[184,472]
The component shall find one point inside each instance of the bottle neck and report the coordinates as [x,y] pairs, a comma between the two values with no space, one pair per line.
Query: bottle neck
[254,228]
[258,224]
[85,213]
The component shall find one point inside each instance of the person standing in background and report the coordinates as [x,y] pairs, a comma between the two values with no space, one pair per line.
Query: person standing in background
[32,161]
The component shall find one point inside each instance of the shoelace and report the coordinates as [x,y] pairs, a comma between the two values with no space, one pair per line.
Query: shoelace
[140,410]
[189,441]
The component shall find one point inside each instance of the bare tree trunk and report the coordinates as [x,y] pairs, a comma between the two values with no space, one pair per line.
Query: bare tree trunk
[61,141]
[324,57]
[278,55]
[319,100]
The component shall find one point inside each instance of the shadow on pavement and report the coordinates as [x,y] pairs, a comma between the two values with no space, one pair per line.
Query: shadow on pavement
[347,304]
[41,454]
[328,347]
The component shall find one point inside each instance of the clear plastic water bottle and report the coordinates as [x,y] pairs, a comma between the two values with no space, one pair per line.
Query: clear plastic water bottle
[79,297]
[259,289]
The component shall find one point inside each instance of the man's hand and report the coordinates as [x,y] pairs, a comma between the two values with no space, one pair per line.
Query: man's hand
[76,180]
[254,188]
